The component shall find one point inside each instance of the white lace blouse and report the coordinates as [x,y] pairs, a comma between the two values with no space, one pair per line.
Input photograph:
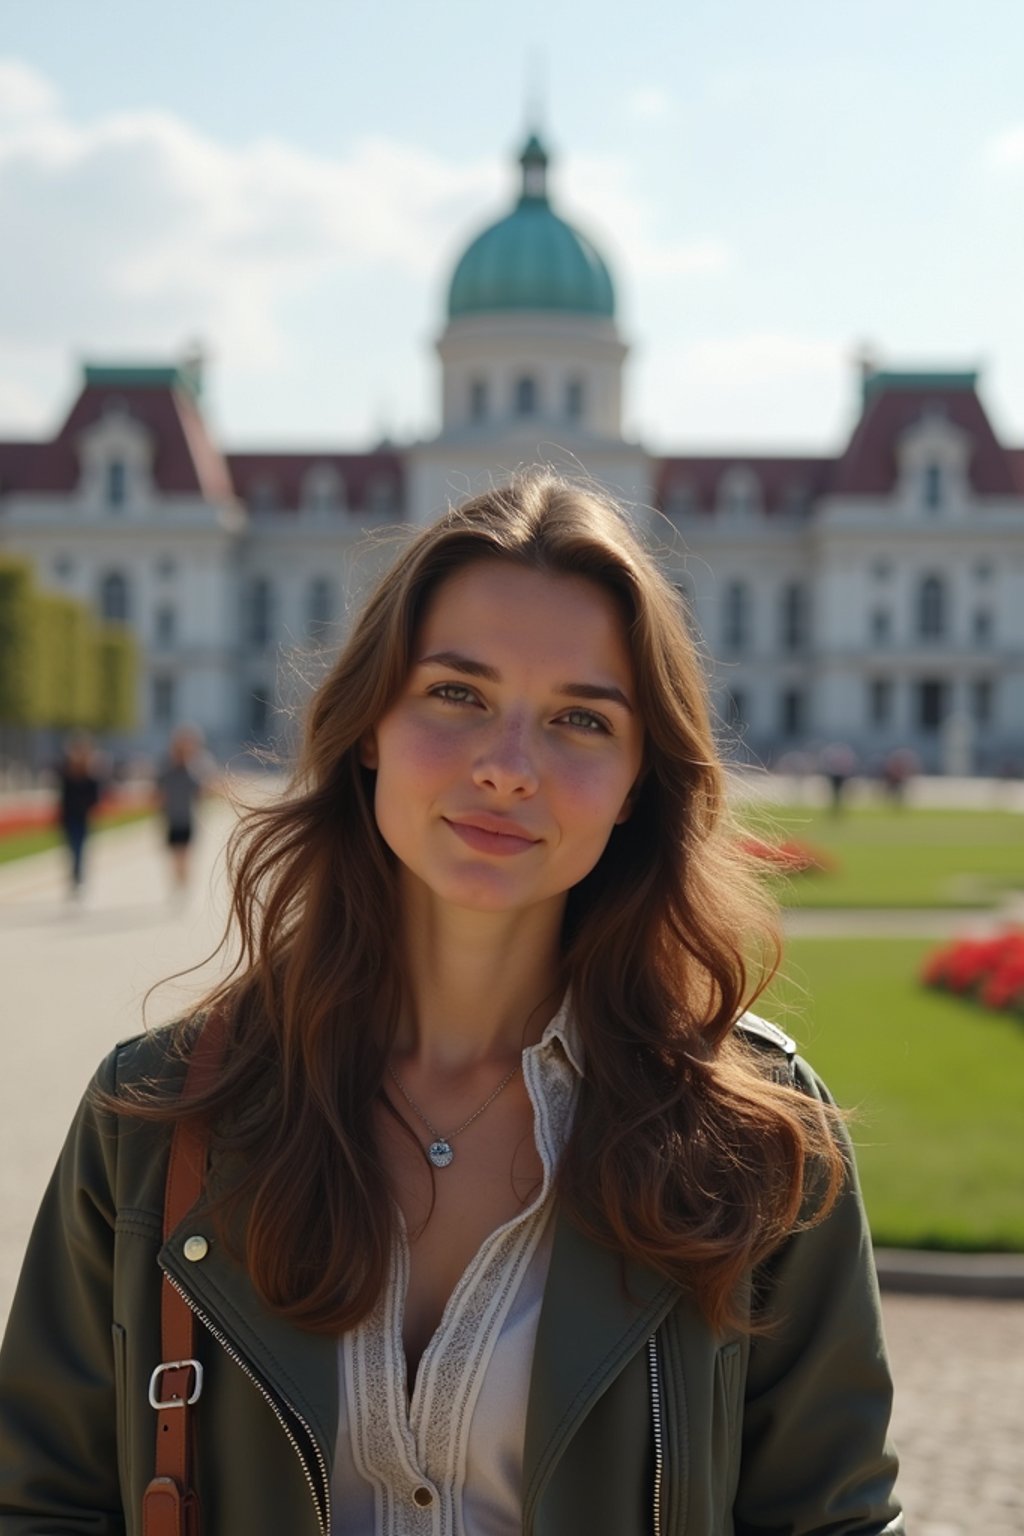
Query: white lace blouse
[449,1461]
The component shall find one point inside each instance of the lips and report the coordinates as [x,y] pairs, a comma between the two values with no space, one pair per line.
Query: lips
[492,834]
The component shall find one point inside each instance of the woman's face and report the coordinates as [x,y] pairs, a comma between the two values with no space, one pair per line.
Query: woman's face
[515,745]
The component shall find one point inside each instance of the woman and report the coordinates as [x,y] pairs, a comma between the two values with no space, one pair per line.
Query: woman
[78,794]
[509,1222]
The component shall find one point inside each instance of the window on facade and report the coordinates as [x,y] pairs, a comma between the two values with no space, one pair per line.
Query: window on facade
[794,616]
[792,712]
[63,567]
[880,701]
[322,488]
[932,485]
[114,597]
[574,399]
[881,625]
[382,495]
[164,700]
[981,700]
[166,567]
[738,493]
[680,499]
[262,496]
[259,712]
[319,604]
[881,570]
[931,608]
[736,616]
[931,703]
[478,400]
[735,709]
[526,395]
[166,625]
[983,571]
[117,483]
[982,625]
[260,605]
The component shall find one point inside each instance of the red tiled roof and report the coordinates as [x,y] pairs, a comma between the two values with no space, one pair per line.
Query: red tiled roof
[782,480]
[186,461]
[869,467]
[282,476]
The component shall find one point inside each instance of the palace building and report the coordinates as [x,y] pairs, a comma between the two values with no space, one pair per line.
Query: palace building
[874,597]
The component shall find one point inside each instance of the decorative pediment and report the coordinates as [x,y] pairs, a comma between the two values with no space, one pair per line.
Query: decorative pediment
[115,454]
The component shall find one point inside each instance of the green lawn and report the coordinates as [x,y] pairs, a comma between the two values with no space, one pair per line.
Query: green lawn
[891,858]
[20,844]
[937,1086]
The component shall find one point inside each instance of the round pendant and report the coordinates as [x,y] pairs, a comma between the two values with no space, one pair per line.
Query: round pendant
[440,1153]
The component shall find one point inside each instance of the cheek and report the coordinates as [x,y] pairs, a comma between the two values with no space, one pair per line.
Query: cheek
[412,757]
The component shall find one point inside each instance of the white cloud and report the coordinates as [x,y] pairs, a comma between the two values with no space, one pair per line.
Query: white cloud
[768,386]
[650,103]
[764,356]
[24,92]
[134,230]
[605,183]
[1005,150]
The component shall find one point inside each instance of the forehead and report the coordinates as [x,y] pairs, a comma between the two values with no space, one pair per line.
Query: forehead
[535,616]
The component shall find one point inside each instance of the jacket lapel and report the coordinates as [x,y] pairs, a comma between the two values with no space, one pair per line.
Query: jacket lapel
[298,1368]
[597,1311]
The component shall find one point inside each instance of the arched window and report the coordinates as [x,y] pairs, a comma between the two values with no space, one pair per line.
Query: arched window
[260,605]
[117,483]
[932,485]
[526,395]
[736,616]
[114,597]
[478,400]
[794,616]
[792,712]
[319,604]
[931,608]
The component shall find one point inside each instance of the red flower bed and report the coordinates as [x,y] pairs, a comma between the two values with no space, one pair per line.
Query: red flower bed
[790,857]
[989,970]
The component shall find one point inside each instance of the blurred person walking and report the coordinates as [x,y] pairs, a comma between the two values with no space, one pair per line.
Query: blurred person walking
[180,784]
[78,789]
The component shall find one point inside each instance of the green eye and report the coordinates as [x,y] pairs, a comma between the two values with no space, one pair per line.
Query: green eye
[586,720]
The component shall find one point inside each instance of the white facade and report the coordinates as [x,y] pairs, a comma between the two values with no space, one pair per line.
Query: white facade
[874,598]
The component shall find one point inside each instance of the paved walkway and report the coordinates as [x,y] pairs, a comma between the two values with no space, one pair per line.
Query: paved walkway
[74,979]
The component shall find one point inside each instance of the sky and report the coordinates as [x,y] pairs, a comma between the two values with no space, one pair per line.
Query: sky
[776,187]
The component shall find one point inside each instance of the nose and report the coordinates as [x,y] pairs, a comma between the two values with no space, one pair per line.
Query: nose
[505,763]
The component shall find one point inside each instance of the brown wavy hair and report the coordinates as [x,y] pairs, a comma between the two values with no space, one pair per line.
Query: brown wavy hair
[684,1154]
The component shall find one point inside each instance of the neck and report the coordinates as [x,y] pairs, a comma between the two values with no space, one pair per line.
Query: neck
[482,985]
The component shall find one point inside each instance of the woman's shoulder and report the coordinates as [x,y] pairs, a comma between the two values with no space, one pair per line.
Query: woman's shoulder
[778,1055]
[152,1062]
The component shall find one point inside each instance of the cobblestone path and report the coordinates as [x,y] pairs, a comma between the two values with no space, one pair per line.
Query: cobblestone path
[959,1414]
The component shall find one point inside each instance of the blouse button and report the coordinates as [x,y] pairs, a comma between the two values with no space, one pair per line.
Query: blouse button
[422,1497]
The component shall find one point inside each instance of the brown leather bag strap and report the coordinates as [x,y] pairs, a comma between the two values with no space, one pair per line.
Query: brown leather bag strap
[170,1506]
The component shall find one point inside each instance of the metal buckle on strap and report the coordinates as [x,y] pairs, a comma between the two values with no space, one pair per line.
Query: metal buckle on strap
[176,1402]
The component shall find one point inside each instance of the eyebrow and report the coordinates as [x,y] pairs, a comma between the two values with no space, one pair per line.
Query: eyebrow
[470,667]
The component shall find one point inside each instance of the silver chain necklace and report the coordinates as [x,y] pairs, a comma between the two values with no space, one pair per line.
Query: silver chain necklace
[440,1151]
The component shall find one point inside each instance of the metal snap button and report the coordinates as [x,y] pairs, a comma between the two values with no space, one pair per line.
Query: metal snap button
[423,1497]
[196,1248]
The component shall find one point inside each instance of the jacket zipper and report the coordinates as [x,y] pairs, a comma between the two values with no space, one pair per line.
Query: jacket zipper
[323,1512]
[659,1441]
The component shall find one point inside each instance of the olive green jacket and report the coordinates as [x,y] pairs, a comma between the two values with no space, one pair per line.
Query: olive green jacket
[640,1420]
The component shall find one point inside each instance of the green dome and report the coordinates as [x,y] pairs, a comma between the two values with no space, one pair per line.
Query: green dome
[532,259]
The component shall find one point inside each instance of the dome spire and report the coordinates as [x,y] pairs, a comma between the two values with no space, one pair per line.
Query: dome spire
[534,161]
